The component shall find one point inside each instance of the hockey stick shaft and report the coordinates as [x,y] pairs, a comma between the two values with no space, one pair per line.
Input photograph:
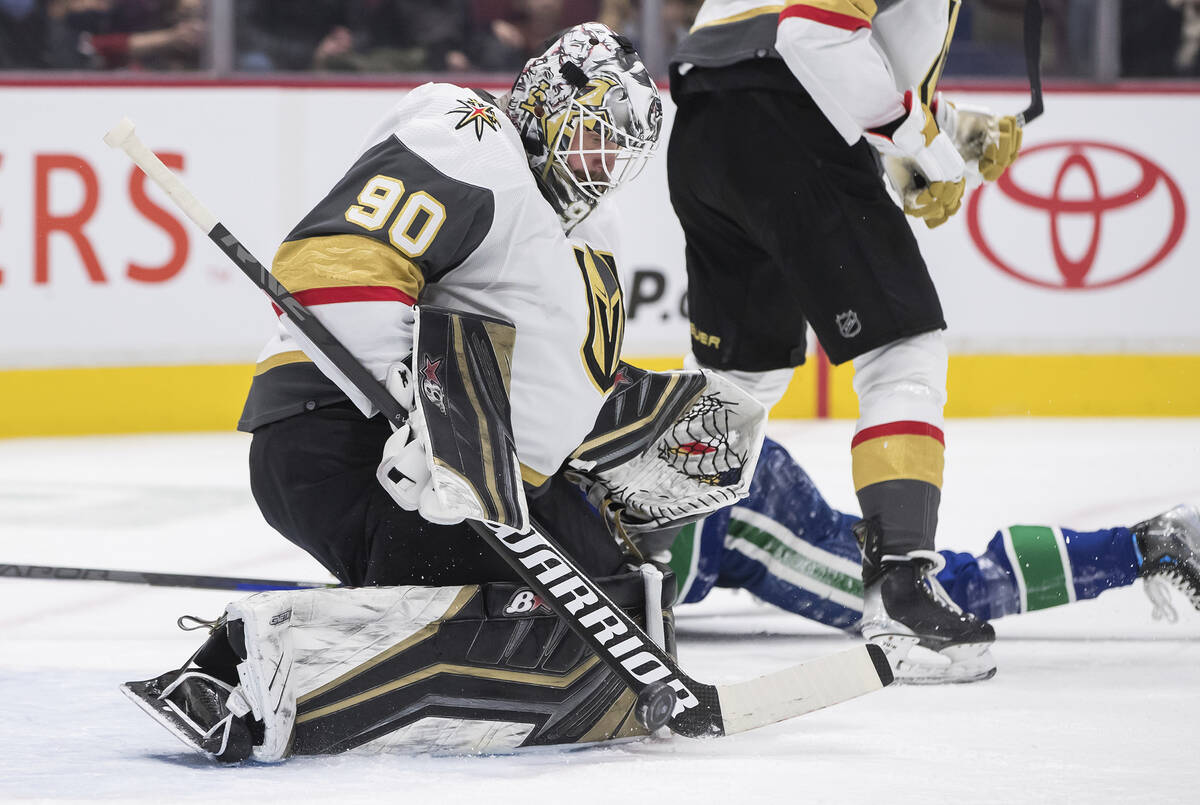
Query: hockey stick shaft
[620,643]
[57,573]
[1033,61]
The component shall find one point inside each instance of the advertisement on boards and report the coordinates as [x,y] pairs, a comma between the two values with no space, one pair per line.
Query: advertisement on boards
[1084,247]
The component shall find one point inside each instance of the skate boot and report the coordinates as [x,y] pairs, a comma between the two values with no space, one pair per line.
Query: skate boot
[192,702]
[927,638]
[1169,551]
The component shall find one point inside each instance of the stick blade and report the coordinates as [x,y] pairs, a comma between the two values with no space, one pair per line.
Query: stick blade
[119,133]
[803,688]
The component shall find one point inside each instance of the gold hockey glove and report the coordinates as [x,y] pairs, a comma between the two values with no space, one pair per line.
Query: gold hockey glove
[999,155]
[988,143]
[936,203]
[916,138]
[933,202]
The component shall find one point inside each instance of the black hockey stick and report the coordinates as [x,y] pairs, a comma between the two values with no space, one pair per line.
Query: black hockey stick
[195,581]
[1033,61]
[665,694]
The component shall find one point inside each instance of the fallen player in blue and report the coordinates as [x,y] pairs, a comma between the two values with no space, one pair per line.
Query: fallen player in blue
[786,545]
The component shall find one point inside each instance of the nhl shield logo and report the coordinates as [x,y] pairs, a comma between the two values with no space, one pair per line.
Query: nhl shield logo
[848,324]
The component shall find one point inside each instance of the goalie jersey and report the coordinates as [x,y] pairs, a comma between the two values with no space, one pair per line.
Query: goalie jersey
[856,58]
[441,208]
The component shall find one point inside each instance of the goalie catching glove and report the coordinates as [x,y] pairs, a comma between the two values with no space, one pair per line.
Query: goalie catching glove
[669,448]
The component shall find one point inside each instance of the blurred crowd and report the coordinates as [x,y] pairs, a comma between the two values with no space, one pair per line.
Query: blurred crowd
[376,36]
[1157,37]
[102,34]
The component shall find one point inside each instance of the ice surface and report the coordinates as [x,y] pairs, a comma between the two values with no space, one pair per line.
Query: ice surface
[1093,702]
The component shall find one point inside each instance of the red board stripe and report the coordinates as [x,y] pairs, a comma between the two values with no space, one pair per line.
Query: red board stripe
[844,21]
[904,428]
[353,293]
[822,384]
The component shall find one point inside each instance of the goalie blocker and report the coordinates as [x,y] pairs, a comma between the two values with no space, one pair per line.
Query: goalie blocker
[476,668]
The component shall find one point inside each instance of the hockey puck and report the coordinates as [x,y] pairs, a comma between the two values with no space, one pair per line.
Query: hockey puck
[654,705]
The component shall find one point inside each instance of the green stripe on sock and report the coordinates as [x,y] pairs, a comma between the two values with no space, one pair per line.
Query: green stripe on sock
[1040,565]
[681,558]
[739,529]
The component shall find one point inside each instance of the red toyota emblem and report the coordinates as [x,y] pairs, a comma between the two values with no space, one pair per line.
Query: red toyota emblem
[1103,215]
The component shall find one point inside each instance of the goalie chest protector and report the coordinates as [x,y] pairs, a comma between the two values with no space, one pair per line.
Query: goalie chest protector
[441,208]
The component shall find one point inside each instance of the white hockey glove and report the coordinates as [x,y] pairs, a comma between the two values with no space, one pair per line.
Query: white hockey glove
[987,143]
[406,470]
[921,163]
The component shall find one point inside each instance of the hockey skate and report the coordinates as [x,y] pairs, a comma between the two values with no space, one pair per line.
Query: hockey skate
[192,703]
[1169,551]
[927,638]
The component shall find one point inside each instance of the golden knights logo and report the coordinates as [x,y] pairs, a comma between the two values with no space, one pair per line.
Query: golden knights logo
[606,315]
[593,98]
[475,112]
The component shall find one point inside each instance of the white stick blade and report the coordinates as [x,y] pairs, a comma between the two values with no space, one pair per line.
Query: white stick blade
[798,690]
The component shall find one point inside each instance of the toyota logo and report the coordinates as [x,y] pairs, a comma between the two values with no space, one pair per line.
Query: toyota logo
[1078,216]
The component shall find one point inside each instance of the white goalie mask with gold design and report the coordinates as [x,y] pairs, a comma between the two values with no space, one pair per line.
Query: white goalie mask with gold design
[589,116]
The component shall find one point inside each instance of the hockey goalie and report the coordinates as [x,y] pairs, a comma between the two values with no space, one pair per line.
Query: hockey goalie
[477,667]
[462,261]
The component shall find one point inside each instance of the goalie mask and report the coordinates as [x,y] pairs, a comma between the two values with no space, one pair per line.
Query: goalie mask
[589,117]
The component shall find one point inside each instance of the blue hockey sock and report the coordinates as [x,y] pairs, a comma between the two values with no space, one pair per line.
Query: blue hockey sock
[1053,567]
[784,543]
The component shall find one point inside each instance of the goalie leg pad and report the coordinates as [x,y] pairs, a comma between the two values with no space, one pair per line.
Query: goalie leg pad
[485,668]
[494,672]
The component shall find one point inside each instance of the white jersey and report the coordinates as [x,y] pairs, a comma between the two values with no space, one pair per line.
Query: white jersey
[856,58]
[441,208]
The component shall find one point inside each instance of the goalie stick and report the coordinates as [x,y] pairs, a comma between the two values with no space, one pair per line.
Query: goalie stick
[665,693]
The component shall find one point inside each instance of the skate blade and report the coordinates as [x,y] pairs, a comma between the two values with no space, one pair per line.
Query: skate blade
[913,664]
[140,694]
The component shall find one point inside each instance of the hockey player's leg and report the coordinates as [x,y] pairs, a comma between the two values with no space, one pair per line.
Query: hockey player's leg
[478,668]
[786,545]
[897,457]
[783,543]
[789,547]
[313,476]
[1026,568]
